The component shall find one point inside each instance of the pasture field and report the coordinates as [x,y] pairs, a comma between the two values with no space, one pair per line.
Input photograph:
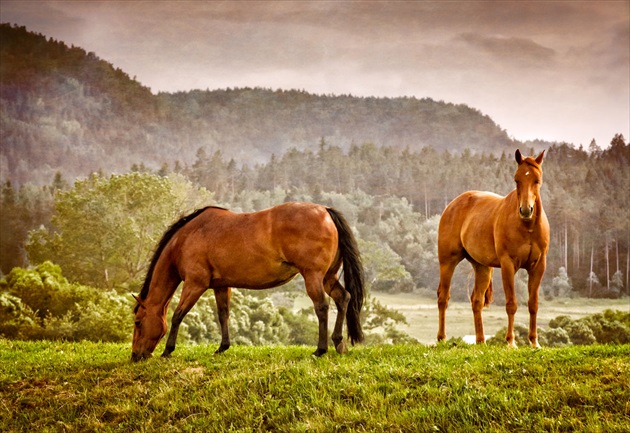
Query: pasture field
[421,313]
[80,387]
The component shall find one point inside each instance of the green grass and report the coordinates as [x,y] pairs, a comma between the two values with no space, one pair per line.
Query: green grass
[78,387]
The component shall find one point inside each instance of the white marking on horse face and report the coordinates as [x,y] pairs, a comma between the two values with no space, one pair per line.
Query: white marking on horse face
[527,173]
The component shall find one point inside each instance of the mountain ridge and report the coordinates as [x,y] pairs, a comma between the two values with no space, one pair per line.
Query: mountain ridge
[64,109]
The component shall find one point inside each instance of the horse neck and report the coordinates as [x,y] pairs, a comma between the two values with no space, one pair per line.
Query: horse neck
[161,291]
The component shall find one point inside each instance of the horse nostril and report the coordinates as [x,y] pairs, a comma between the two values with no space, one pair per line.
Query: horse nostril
[526,212]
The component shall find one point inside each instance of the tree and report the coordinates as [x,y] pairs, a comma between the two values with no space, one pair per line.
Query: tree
[561,284]
[104,229]
[383,268]
[20,211]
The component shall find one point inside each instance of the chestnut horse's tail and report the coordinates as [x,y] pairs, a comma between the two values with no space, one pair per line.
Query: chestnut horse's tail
[352,275]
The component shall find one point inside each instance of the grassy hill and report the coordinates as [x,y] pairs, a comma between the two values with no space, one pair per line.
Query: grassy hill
[94,387]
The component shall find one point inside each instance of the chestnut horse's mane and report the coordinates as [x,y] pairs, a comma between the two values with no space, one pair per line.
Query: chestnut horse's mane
[168,235]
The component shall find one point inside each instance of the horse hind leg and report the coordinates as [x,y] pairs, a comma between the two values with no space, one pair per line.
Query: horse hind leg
[315,290]
[444,294]
[489,297]
[479,298]
[222,297]
[342,298]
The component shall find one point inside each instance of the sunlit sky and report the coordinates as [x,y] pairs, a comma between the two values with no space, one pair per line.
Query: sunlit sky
[554,70]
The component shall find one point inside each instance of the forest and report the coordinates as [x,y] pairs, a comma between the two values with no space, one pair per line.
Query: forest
[392,198]
[94,167]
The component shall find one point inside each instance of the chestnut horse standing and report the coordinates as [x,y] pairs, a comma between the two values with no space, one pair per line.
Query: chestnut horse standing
[491,231]
[218,249]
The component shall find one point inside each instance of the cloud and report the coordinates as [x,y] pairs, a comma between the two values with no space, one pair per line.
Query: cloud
[521,62]
[523,51]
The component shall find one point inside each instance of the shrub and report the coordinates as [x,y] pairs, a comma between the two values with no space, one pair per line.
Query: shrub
[554,337]
[16,319]
[610,327]
[580,333]
[39,303]
[521,336]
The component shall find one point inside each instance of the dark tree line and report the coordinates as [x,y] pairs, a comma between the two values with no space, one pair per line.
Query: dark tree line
[392,196]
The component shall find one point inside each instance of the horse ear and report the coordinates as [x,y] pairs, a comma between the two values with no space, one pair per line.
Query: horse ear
[139,301]
[540,157]
[519,157]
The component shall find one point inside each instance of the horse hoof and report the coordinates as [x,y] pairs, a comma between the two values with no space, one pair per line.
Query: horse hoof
[166,354]
[319,352]
[221,349]
[342,349]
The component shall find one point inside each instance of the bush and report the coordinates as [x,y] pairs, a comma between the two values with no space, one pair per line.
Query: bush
[554,337]
[16,319]
[560,322]
[608,327]
[521,336]
[580,333]
[39,303]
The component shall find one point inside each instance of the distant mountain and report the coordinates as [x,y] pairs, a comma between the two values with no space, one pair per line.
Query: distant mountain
[64,109]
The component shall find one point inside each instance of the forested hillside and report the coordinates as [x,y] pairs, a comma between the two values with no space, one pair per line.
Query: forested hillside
[63,109]
[390,165]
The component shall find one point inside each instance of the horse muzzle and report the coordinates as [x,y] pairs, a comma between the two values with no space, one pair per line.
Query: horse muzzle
[526,213]
[139,356]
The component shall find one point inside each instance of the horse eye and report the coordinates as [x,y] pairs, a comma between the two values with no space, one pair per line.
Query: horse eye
[138,323]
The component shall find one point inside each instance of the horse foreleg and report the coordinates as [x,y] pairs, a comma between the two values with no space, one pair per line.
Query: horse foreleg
[341,298]
[443,295]
[222,297]
[483,279]
[533,285]
[507,274]
[315,290]
[190,295]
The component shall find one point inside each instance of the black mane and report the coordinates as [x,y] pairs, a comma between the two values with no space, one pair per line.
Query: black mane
[168,235]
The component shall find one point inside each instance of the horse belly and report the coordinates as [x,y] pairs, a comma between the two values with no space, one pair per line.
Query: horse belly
[477,231]
[252,273]
[480,248]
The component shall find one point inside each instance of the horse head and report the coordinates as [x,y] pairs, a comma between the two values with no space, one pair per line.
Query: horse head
[528,178]
[149,329]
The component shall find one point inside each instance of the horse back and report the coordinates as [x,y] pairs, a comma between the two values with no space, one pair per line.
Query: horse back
[255,250]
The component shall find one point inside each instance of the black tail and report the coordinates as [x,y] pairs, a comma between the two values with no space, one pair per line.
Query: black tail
[160,247]
[352,275]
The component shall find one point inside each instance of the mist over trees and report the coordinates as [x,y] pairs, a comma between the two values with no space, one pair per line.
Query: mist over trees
[64,109]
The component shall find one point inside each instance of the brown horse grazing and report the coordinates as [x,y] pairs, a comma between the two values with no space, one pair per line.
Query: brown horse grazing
[218,249]
[490,231]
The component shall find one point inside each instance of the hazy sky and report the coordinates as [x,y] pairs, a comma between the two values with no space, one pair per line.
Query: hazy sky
[555,70]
